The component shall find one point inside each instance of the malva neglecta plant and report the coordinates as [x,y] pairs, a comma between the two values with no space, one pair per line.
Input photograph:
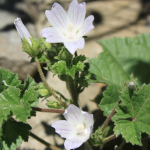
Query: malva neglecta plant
[124,66]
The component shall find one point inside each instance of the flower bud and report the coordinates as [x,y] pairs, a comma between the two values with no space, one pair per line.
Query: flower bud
[131,85]
[29,44]
[43,91]
[22,30]
[53,104]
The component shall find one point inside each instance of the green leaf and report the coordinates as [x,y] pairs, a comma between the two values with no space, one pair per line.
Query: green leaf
[96,138]
[76,59]
[29,92]
[108,70]
[64,54]
[9,102]
[84,78]
[61,68]
[13,134]
[133,115]
[31,97]
[7,79]
[28,83]
[109,100]
[132,54]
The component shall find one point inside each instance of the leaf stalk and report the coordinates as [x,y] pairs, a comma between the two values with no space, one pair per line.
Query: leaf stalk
[48,110]
[109,117]
[109,138]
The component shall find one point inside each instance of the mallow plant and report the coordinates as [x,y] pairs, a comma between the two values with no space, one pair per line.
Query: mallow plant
[124,66]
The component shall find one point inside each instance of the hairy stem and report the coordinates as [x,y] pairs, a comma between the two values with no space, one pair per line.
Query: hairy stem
[72,90]
[44,142]
[45,82]
[107,139]
[109,117]
[48,110]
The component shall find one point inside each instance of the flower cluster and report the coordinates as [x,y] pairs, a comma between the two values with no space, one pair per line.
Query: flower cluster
[68,29]
[77,129]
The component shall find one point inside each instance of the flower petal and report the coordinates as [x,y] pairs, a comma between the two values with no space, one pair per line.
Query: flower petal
[72,46]
[76,142]
[22,30]
[87,26]
[76,13]
[64,128]
[88,119]
[52,35]
[58,17]
[73,115]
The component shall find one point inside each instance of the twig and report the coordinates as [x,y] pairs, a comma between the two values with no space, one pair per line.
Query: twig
[109,117]
[45,82]
[111,137]
[44,142]
[48,110]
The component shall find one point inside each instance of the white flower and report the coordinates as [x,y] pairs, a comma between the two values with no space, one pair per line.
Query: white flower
[22,30]
[68,28]
[77,129]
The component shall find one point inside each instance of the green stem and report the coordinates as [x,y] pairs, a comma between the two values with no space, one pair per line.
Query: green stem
[109,117]
[48,110]
[72,90]
[122,144]
[90,144]
[45,82]
[62,96]
[44,142]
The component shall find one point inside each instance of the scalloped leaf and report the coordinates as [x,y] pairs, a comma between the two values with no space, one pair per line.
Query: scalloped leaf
[13,134]
[9,102]
[41,57]
[7,79]
[133,115]
[61,68]
[132,54]
[108,70]
[76,59]
[109,100]
[28,83]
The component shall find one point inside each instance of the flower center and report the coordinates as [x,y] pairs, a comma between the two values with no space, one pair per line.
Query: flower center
[70,29]
[81,129]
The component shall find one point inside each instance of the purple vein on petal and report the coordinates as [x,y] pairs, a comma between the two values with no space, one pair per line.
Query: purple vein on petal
[77,16]
[63,129]
[61,17]
[74,115]
[70,116]
[58,20]
[86,27]
[65,125]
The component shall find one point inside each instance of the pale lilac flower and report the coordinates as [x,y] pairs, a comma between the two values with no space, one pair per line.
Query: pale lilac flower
[77,129]
[68,28]
[22,30]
